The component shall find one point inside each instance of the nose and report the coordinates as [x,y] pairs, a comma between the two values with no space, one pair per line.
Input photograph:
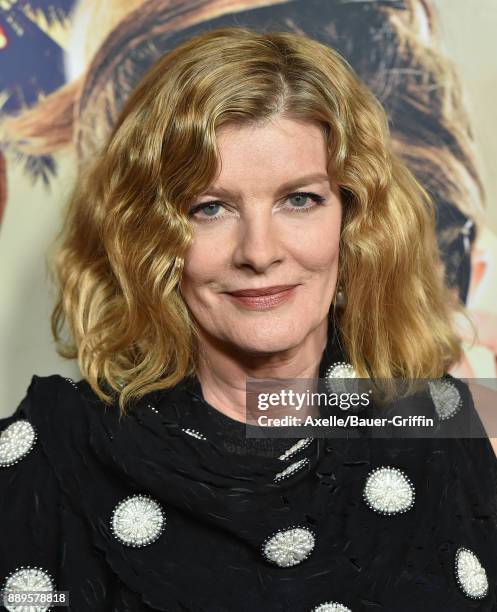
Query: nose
[258,242]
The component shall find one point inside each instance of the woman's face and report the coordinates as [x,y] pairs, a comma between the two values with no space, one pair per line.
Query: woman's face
[271,218]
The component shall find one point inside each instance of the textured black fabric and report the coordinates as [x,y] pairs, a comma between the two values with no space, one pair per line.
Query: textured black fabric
[221,503]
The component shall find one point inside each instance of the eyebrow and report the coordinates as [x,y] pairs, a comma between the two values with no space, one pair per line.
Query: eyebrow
[285,187]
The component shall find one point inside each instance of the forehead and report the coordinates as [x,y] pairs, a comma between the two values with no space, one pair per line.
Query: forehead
[276,151]
[270,134]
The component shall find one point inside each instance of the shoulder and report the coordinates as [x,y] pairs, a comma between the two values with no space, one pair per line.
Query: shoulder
[54,396]
[47,407]
[472,406]
[467,413]
[45,443]
[42,392]
[20,425]
[51,421]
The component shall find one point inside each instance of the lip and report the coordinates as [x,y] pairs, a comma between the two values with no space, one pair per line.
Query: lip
[264,301]
[261,291]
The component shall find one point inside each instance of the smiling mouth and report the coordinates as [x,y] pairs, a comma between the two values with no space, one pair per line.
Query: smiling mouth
[261,291]
[263,301]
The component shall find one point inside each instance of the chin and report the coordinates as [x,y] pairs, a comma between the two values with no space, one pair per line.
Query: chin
[272,341]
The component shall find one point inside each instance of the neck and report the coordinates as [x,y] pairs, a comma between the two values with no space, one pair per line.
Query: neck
[223,373]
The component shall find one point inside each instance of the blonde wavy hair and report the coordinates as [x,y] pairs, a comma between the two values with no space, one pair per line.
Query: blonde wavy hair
[118,258]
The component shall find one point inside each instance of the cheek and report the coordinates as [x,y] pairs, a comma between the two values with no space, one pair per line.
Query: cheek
[317,249]
[202,263]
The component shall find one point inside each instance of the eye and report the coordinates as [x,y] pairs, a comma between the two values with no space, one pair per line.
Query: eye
[211,209]
[301,197]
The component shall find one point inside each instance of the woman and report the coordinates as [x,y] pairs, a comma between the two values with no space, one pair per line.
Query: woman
[246,163]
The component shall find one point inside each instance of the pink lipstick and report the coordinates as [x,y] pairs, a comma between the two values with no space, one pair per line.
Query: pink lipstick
[263,298]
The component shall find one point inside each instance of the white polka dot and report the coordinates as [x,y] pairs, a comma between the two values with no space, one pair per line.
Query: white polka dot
[335,375]
[388,491]
[25,579]
[138,520]
[470,574]
[446,398]
[16,441]
[288,547]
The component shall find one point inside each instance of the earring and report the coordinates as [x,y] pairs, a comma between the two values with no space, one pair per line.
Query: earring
[340,298]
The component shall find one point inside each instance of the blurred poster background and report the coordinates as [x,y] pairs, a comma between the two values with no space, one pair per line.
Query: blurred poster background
[67,66]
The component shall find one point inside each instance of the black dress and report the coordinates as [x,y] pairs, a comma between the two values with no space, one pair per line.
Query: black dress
[173,508]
